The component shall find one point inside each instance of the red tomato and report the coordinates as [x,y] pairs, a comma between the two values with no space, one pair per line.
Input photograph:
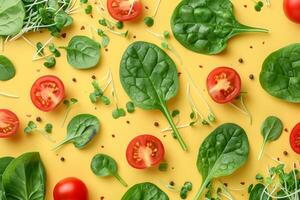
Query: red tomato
[47,92]
[9,123]
[145,151]
[124,10]
[223,84]
[292,10]
[295,138]
[70,189]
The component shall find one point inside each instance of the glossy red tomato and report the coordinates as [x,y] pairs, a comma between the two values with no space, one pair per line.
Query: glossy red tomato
[9,123]
[70,189]
[295,138]
[124,10]
[292,10]
[47,92]
[145,151]
[223,84]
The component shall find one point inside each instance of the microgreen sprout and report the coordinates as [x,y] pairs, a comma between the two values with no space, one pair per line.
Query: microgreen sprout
[130,107]
[68,104]
[98,94]
[4,94]
[258,5]
[149,21]
[163,167]
[88,10]
[32,127]
[243,108]
[111,27]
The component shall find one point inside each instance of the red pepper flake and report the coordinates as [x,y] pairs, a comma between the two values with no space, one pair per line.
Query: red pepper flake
[102,198]
[156,124]
[102,146]
[278,159]
[92,16]
[106,49]
[64,35]
[74,80]
[146,7]
[28,115]
[38,119]
[295,165]
[226,184]
[173,168]
[245,6]
[62,159]
[242,183]
[286,130]
[263,42]
[251,47]
[94,77]
[285,153]
[82,28]
[128,122]
[179,74]
[200,66]
[113,135]
[134,37]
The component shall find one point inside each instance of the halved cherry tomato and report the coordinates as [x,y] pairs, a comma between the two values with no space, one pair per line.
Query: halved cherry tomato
[295,138]
[9,123]
[292,10]
[70,189]
[47,92]
[223,84]
[145,151]
[124,10]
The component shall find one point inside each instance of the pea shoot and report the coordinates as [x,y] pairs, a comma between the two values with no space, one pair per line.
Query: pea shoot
[69,105]
[89,9]
[149,21]
[258,5]
[130,107]
[118,112]
[32,127]
[105,39]
[98,94]
[111,27]
[50,62]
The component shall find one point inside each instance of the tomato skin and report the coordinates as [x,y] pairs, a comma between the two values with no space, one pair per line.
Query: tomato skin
[223,84]
[292,10]
[70,189]
[144,151]
[119,9]
[9,123]
[47,93]
[295,138]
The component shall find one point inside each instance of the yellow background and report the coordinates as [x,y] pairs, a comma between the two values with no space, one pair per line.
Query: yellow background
[77,163]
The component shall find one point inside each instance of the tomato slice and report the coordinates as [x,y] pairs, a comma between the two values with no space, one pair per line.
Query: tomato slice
[9,123]
[145,151]
[295,138]
[223,84]
[124,10]
[47,92]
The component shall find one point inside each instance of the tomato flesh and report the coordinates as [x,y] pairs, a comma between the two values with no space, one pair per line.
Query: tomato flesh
[47,92]
[292,10]
[295,138]
[70,189]
[9,123]
[145,151]
[223,84]
[124,10]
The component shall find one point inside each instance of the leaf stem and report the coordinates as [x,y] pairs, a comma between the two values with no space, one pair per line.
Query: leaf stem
[156,8]
[66,115]
[201,189]
[172,124]
[262,150]
[58,145]
[46,135]
[119,178]
[243,28]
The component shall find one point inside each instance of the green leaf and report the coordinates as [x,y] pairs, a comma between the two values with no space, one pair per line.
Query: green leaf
[224,151]
[149,21]
[145,191]
[12,14]
[25,178]
[279,75]
[271,130]
[7,69]
[163,167]
[48,128]
[4,162]
[118,112]
[206,26]
[103,165]
[80,131]
[83,52]
[257,193]
[130,107]
[150,78]
[30,127]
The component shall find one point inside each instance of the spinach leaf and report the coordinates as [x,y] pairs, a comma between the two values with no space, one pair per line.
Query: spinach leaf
[4,162]
[12,14]
[7,69]
[80,131]
[280,74]
[104,165]
[25,178]
[222,153]
[205,26]
[83,52]
[271,130]
[150,78]
[257,193]
[145,191]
